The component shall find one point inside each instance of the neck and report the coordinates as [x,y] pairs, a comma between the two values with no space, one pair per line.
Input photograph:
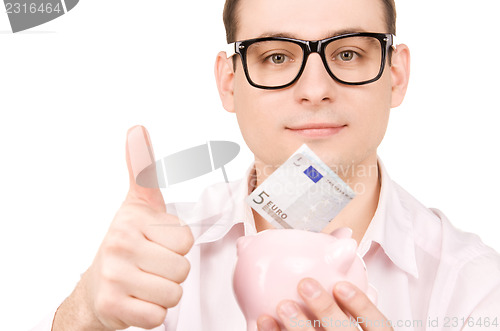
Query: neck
[358,214]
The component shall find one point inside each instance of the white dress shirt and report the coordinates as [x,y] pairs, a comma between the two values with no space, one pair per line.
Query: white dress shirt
[428,274]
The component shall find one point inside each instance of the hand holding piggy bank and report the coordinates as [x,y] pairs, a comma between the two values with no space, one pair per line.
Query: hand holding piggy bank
[271,264]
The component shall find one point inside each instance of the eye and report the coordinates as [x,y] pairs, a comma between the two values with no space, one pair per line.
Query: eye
[277,58]
[346,55]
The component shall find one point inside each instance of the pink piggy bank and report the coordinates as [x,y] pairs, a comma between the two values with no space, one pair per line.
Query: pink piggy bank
[271,264]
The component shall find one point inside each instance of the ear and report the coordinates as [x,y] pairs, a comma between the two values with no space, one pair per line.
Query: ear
[400,73]
[224,77]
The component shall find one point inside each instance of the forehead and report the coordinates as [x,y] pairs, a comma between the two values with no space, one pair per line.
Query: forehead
[308,19]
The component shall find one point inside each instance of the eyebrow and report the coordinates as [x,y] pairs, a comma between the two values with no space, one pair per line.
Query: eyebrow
[328,35]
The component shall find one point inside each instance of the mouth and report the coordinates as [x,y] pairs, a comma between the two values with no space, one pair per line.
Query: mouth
[316,130]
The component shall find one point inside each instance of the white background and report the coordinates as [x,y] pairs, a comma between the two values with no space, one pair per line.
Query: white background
[71,88]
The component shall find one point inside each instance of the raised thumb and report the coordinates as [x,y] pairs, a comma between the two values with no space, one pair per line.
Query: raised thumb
[142,169]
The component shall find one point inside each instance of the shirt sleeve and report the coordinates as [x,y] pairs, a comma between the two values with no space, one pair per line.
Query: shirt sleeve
[486,315]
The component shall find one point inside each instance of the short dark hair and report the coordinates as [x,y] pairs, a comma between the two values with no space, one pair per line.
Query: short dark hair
[230,18]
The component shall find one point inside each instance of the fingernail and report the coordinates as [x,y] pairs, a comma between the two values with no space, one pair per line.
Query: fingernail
[310,288]
[345,290]
[265,324]
[289,309]
[140,150]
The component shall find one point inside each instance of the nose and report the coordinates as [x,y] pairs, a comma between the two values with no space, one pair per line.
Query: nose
[315,86]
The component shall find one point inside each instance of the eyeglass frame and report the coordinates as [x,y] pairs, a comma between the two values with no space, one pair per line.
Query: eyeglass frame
[387,40]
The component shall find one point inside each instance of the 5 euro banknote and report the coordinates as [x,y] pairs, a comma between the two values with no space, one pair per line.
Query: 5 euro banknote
[303,193]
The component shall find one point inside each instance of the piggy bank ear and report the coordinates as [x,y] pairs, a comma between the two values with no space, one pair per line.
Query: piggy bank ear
[341,254]
[342,233]
[242,243]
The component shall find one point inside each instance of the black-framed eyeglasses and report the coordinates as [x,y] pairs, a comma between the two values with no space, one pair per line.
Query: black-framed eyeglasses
[276,62]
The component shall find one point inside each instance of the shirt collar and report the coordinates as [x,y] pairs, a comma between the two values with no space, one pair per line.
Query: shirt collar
[392,226]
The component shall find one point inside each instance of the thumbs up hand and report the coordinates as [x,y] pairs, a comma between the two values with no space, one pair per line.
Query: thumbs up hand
[136,274]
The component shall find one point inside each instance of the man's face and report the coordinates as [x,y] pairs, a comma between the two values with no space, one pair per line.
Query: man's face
[342,124]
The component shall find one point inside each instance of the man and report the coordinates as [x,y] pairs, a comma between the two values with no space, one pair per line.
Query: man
[427,273]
